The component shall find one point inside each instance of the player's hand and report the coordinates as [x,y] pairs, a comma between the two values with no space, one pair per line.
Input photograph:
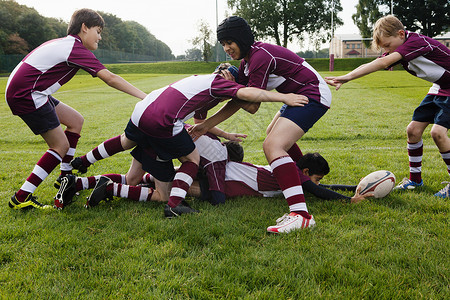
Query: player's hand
[358,197]
[227,75]
[196,131]
[236,137]
[295,100]
[336,81]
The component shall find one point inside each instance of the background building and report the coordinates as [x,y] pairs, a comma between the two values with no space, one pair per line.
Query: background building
[351,45]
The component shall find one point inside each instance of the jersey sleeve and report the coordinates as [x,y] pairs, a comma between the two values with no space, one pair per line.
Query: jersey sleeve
[85,59]
[321,192]
[215,172]
[223,88]
[414,47]
[259,69]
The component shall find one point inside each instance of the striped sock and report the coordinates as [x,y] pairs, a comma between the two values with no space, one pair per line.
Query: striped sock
[285,171]
[104,150]
[147,179]
[446,158]
[181,183]
[415,153]
[136,193]
[48,162]
[73,138]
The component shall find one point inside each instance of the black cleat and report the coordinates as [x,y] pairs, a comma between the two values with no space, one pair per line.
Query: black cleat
[182,208]
[99,192]
[77,164]
[66,191]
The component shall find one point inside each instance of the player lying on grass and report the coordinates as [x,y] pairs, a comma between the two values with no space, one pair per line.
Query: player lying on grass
[226,176]
[246,179]
[425,58]
[213,158]
[29,95]
[157,134]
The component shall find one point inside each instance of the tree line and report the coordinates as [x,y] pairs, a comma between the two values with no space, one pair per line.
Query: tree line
[22,29]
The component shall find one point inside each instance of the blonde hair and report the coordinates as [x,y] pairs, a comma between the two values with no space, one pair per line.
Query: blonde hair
[385,26]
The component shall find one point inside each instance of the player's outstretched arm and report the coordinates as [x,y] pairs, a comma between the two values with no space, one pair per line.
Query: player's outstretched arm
[358,198]
[231,136]
[117,82]
[253,94]
[375,65]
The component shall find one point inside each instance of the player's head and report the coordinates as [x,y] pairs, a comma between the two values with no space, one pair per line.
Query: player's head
[388,33]
[236,29]
[227,66]
[89,17]
[314,165]
[235,151]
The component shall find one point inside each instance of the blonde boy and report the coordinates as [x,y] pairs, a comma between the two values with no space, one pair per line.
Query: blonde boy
[425,58]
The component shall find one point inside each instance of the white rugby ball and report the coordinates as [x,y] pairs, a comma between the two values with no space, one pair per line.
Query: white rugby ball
[380,183]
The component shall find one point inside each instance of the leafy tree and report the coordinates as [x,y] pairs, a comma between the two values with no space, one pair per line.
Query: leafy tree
[194,54]
[367,13]
[204,40]
[22,29]
[34,29]
[16,45]
[284,20]
[431,17]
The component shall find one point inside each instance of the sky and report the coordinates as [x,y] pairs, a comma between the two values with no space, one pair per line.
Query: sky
[174,22]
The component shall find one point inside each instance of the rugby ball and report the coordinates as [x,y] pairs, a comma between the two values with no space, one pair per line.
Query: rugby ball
[380,183]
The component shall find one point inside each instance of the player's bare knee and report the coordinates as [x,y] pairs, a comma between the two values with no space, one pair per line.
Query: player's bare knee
[76,124]
[439,135]
[414,133]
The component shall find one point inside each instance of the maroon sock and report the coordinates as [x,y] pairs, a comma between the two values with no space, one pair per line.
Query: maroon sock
[181,183]
[73,138]
[104,150]
[295,153]
[286,174]
[46,164]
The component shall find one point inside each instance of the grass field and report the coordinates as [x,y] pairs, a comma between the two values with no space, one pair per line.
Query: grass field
[391,248]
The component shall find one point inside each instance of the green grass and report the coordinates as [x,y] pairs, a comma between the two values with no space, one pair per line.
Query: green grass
[390,248]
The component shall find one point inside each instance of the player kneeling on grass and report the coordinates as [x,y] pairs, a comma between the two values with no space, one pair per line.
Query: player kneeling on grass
[213,157]
[426,58]
[29,95]
[156,129]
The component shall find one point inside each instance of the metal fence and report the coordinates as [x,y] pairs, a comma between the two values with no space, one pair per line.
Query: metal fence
[9,62]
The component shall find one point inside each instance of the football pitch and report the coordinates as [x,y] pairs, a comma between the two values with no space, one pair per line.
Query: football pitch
[391,248]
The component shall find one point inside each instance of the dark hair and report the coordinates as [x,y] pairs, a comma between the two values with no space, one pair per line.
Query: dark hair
[235,151]
[316,164]
[237,30]
[87,16]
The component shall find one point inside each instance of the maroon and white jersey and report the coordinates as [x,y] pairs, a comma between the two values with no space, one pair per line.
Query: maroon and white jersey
[163,112]
[274,67]
[428,59]
[213,159]
[252,180]
[44,70]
